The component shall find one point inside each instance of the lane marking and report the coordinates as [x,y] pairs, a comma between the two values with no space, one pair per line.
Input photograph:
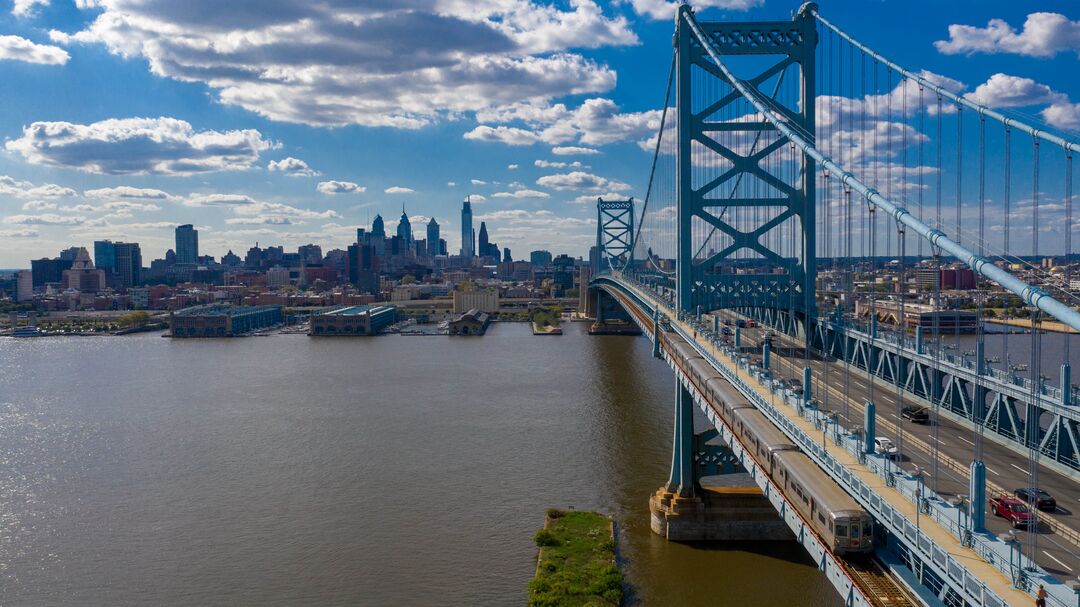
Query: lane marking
[965,440]
[1058,561]
[1018,468]
[992,470]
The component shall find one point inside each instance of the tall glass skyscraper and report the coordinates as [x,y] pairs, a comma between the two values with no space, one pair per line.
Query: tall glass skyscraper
[187,244]
[432,238]
[468,242]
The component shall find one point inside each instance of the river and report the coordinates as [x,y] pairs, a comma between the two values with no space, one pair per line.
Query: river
[396,470]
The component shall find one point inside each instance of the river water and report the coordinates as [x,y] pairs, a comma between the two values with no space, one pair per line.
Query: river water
[287,470]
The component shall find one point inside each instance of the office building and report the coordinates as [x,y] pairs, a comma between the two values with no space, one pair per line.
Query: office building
[540,258]
[486,300]
[378,229]
[83,276]
[187,244]
[404,228]
[105,256]
[433,238]
[506,255]
[128,265]
[24,285]
[482,240]
[468,243]
[49,270]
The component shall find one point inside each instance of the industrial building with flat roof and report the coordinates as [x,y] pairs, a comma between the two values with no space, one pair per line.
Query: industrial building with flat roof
[220,320]
[353,320]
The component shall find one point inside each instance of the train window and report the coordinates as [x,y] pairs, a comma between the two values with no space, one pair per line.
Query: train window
[841,531]
[830,526]
[821,518]
[867,528]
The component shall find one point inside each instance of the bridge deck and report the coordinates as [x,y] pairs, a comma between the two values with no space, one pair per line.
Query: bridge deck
[967,557]
[1059,552]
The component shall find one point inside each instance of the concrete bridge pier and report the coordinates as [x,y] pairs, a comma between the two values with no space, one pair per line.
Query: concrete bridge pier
[709,496]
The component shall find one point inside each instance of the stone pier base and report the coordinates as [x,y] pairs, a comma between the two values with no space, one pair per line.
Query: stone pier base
[730,508]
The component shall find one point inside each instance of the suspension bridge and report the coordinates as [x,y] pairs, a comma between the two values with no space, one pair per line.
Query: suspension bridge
[803,188]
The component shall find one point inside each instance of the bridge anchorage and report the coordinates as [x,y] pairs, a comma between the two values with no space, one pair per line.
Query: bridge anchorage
[774,236]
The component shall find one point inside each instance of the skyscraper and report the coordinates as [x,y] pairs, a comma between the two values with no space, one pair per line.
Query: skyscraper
[128,269]
[483,244]
[433,238]
[507,258]
[404,228]
[105,256]
[378,230]
[187,244]
[468,244]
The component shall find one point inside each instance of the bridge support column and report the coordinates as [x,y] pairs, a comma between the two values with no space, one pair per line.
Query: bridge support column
[918,340]
[808,393]
[681,480]
[716,326]
[977,491]
[738,337]
[870,425]
[765,347]
[656,333]
[1066,384]
[726,504]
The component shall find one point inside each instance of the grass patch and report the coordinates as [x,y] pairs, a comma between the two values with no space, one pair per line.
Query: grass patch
[577,562]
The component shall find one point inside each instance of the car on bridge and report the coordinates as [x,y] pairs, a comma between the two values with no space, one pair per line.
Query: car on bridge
[1041,499]
[1011,509]
[916,413]
[795,386]
[885,447]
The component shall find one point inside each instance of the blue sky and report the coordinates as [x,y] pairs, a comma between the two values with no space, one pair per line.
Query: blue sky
[287,123]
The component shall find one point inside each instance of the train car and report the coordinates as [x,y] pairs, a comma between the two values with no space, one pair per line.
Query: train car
[701,371]
[760,436]
[724,397]
[833,514]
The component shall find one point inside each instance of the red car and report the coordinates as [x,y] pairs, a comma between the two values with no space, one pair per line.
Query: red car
[1011,509]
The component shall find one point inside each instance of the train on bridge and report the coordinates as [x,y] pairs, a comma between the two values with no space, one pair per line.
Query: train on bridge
[843,525]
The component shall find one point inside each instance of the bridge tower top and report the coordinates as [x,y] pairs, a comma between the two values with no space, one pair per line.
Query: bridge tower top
[745,198]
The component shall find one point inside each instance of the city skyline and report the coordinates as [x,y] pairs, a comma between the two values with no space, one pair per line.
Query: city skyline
[162,144]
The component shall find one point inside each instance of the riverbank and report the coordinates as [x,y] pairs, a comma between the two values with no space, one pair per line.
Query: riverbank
[1025,323]
[576,564]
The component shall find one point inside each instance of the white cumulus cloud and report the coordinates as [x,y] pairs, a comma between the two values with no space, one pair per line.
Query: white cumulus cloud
[339,187]
[524,193]
[1002,90]
[1043,35]
[582,181]
[16,48]
[396,189]
[331,63]
[293,167]
[131,146]
[665,9]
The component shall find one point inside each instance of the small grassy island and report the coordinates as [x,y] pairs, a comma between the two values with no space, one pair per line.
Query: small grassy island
[546,321]
[576,565]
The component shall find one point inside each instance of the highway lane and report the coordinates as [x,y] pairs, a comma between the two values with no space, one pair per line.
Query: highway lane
[1005,468]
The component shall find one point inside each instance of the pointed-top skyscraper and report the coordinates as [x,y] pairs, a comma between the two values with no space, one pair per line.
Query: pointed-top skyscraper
[377,228]
[404,227]
[433,238]
[483,245]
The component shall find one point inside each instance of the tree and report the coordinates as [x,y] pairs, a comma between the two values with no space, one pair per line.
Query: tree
[134,319]
[408,279]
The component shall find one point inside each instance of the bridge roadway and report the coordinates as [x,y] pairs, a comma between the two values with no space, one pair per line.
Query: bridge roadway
[968,558]
[1058,547]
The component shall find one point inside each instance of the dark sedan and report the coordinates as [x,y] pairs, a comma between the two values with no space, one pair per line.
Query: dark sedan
[1041,499]
[916,413]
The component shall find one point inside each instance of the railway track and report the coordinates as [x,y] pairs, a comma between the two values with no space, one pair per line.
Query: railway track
[876,584]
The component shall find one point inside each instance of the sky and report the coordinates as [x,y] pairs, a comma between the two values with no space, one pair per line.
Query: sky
[283,122]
